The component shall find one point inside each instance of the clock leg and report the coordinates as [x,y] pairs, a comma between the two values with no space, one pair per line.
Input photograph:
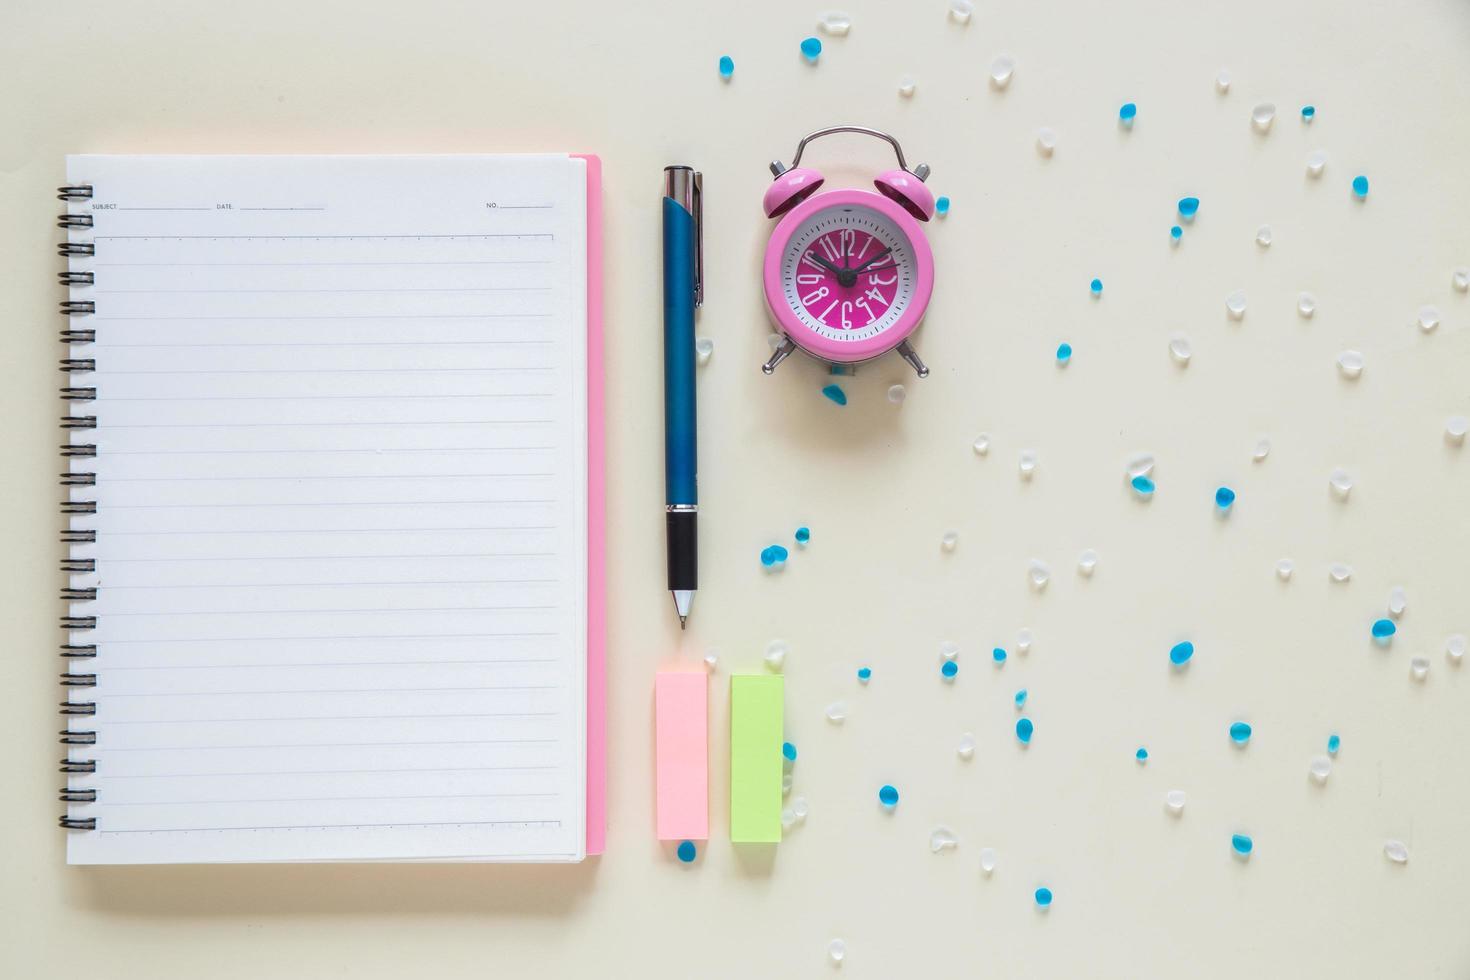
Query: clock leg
[907,352]
[783,350]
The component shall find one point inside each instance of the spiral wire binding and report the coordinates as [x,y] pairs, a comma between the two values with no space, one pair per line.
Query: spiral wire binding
[74,623]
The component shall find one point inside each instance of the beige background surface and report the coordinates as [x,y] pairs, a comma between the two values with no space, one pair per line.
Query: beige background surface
[1138,894]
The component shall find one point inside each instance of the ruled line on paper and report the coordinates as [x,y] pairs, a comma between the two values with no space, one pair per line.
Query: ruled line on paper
[330,663]
[328,772]
[350,826]
[336,745]
[227,721]
[336,799]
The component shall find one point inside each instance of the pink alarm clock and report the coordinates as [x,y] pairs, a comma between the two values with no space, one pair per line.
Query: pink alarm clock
[848,273]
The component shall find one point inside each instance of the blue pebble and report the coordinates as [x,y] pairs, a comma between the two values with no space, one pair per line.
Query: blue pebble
[941,205]
[1309,112]
[1021,697]
[865,674]
[1360,187]
[1180,653]
[1096,287]
[836,394]
[1064,353]
[727,66]
[1240,733]
[1176,233]
[1242,844]
[803,535]
[998,655]
[1333,744]
[1224,497]
[949,669]
[888,796]
[1126,113]
[1024,729]
[788,751]
[811,48]
[1188,207]
[1043,898]
[1384,629]
[773,555]
[768,557]
[1141,755]
[1142,485]
[687,852]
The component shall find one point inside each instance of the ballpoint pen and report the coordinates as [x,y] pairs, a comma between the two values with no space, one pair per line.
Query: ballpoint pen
[683,292]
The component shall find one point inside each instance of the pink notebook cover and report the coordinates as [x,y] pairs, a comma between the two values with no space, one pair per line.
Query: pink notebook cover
[596,523]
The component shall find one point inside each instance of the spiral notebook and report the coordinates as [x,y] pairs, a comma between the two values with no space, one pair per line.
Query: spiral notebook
[335,509]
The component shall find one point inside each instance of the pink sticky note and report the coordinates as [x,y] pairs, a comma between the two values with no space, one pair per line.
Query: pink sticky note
[681,738]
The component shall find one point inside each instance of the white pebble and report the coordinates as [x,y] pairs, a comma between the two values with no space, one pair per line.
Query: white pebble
[1396,851]
[1341,482]
[1001,70]
[948,541]
[1455,428]
[897,393]
[1141,464]
[1350,363]
[1284,568]
[1461,278]
[960,10]
[1263,115]
[1428,318]
[1222,81]
[1180,350]
[776,655]
[800,808]
[1046,141]
[1174,800]
[966,749]
[1039,574]
[948,649]
[712,659]
[1419,668]
[988,859]
[982,444]
[1027,463]
[837,951]
[1262,450]
[1320,768]
[788,818]
[942,839]
[1235,304]
[786,784]
[1454,648]
[1340,571]
[1306,305]
[703,348]
[835,23]
[1263,236]
[837,712]
[1398,601]
[1316,163]
[906,86]
[1087,562]
[1024,638]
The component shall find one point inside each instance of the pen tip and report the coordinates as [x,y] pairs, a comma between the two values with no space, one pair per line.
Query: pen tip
[683,622]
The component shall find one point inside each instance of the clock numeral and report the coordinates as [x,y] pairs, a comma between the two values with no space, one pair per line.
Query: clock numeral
[846,316]
[832,253]
[876,295]
[877,280]
[815,295]
[862,304]
[809,279]
[808,259]
[823,315]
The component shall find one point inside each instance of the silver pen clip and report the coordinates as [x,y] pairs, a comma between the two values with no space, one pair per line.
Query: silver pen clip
[698,239]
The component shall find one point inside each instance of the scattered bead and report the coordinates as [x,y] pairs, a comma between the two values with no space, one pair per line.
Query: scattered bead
[1396,851]
[1320,768]
[865,674]
[1384,629]
[1043,898]
[837,951]
[1039,573]
[1306,305]
[788,751]
[1024,637]
[786,784]
[896,394]
[1262,450]
[1334,742]
[949,669]
[1263,236]
[1046,141]
[1316,163]
[1242,844]
[1001,70]
[949,540]
[727,66]
[704,348]
[988,859]
[1222,81]
[1024,730]
[998,655]
[1180,350]
[1127,112]
[1180,653]
[774,557]
[1418,668]
[1026,463]
[1428,318]
[1175,233]
[1188,207]
[811,49]
[1235,304]
[960,10]
[711,659]
[888,796]
[1174,801]
[1455,428]
[1087,563]
[1360,187]
[1096,287]
[981,444]
[1340,571]
[942,839]
[1141,755]
[1141,465]
[1454,648]
[788,818]
[800,808]
[776,655]
[1341,482]
[1064,354]
[686,851]
[835,23]
[1262,116]
[1143,486]
[941,205]
[1240,732]
[1020,699]
[1284,568]
[835,393]
[1350,363]
[1398,601]
[948,649]
[1309,112]
[1460,278]
[966,749]
[803,535]
[837,712]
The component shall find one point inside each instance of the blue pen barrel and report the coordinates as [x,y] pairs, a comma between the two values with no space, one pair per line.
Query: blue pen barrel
[679,358]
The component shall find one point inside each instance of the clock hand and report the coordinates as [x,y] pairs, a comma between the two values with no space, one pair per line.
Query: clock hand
[824,263]
[881,255]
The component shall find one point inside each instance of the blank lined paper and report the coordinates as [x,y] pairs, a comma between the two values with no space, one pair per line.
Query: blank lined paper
[341,516]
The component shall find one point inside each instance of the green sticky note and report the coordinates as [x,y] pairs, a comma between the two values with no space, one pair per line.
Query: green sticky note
[756,730]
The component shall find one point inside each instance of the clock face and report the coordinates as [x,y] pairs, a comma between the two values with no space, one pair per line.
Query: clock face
[848,273]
